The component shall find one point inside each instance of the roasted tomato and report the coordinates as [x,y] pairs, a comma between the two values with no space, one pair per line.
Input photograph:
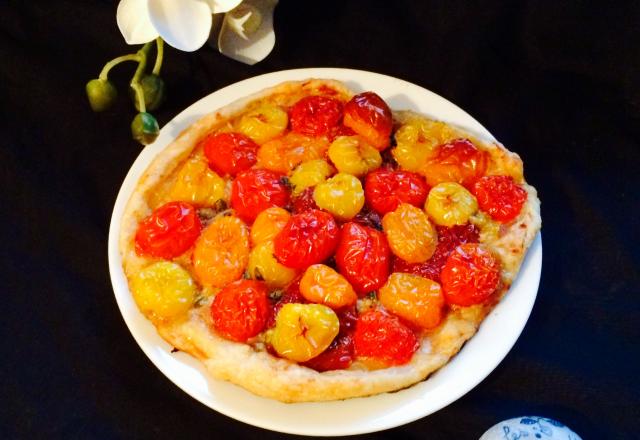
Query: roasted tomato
[340,353]
[414,298]
[323,285]
[291,295]
[369,116]
[458,161]
[470,275]
[363,257]
[221,253]
[230,153]
[255,190]
[448,240]
[315,115]
[304,201]
[308,238]
[383,340]
[410,234]
[169,231]
[499,196]
[240,310]
[283,154]
[385,189]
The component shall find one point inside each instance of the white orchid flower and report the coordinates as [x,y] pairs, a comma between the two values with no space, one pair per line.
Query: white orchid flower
[246,34]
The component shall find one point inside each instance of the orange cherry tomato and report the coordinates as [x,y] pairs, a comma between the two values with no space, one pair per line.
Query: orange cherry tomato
[169,231]
[230,153]
[369,116]
[385,189]
[240,310]
[499,196]
[323,285]
[315,115]
[255,190]
[308,238]
[414,298]
[458,161]
[363,257]
[470,275]
[383,338]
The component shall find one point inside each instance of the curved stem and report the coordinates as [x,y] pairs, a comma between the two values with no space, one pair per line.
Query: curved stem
[114,62]
[135,81]
[159,56]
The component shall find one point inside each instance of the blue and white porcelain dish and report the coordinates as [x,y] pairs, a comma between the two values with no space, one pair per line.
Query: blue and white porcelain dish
[530,428]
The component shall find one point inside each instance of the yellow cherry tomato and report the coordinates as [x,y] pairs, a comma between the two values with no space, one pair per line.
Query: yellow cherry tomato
[197,184]
[309,174]
[353,155]
[450,204]
[264,123]
[163,290]
[264,266]
[342,195]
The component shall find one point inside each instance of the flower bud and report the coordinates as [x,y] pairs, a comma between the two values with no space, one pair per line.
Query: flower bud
[144,128]
[101,93]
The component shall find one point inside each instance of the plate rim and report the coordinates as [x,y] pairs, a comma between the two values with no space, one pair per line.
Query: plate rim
[532,262]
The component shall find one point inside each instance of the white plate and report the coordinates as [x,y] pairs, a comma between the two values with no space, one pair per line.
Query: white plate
[483,352]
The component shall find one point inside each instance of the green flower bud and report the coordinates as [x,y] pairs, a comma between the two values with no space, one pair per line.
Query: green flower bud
[101,93]
[144,128]
[153,91]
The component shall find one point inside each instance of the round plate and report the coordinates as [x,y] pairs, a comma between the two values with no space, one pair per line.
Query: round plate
[484,351]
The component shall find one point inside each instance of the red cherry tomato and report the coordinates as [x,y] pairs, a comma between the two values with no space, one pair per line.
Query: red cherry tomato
[363,257]
[339,355]
[384,338]
[448,239]
[315,115]
[169,231]
[369,116]
[308,238]
[470,275]
[385,189]
[304,201]
[255,190]
[230,153]
[240,310]
[500,196]
[458,161]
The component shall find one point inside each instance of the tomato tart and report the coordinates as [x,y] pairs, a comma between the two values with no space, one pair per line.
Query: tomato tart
[309,243]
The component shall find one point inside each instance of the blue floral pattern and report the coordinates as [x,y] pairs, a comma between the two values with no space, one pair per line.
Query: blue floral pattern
[530,428]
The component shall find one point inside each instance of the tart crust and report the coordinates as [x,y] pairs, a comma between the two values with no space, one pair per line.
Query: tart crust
[269,376]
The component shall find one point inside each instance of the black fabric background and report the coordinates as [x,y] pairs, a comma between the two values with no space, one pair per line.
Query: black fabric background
[558,82]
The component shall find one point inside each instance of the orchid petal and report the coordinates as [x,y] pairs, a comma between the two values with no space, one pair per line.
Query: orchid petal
[248,47]
[133,21]
[183,24]
[219,6]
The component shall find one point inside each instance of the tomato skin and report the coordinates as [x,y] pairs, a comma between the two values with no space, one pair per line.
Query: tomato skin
[308,238]
[169,231]
[470,275]
[457,161]
[291,295]
[315,115]
[385,189]
[383,337]
[255,190]
[240,310]
[448,239]
[304,201]
[369,116]
[230,153]
[339,355]
[363,257]
[499,196]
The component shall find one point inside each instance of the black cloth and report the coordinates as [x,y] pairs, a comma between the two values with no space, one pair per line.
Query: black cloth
[557,82]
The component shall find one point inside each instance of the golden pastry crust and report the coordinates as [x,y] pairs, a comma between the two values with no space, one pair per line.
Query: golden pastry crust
[266,375]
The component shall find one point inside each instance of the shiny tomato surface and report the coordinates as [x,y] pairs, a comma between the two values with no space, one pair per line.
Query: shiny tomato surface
[470,275]
[240,310]
[230,153]
[499,196]
[309,237]
[169,231]
[363,257]
[255,190]
[368,115]
[385,189]
[458,161]
[315,115]
[383,338]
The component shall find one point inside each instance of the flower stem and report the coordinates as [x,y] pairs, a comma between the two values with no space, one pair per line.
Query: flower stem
[159,56]
[114,62]
[135,81]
